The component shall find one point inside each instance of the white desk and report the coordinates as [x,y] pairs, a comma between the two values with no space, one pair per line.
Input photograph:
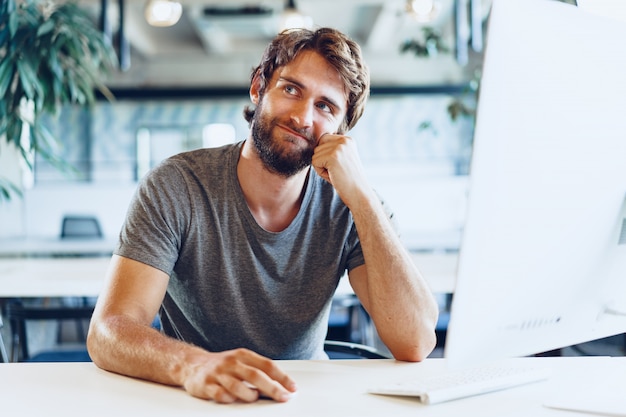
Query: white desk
[330,388]
[52,277]
[46,247]
[84,276]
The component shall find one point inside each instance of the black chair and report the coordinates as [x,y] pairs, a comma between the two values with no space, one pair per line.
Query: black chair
[4,358]
[349,322]
[351,333]
[75,226]
[81,227]
[346,350]
[18,315]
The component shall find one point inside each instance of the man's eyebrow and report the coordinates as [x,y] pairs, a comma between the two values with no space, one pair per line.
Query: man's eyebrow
[302,86]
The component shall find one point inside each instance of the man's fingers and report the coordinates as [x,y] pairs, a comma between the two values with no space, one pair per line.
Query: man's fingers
[238,388]
[271,370]
[239,375]
[218,393]
[319,140]
[269,379]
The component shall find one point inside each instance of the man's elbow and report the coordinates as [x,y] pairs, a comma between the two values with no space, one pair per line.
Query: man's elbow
[101,337]
[416,352]
[94,344]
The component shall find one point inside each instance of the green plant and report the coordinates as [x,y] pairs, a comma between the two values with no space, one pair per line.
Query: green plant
[51,56]
[464,105]
[431,44]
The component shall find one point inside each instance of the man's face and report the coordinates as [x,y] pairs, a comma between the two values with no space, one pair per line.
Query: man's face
[302,101]
[274,156]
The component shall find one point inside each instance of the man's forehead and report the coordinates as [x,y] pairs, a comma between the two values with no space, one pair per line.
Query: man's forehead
[311,69]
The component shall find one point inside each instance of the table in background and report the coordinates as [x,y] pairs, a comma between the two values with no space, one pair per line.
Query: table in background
[438,268]
[55,247]
[84,275]
[53,267]
[61,275]
[326,388]
[52,277]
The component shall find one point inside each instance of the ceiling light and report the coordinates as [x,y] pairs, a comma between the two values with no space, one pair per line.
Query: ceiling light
[292,18]
[423,10]
[163,13]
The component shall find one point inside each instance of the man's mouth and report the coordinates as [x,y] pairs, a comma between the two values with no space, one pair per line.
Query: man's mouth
[294,132]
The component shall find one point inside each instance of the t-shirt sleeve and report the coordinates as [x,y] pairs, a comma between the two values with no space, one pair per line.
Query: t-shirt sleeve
[156,219]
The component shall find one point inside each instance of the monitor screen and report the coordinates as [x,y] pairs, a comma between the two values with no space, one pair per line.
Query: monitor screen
[542,263]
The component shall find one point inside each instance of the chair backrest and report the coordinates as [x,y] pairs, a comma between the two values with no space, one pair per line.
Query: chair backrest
[346,350]
[4,358]
[18,314]
[80,227]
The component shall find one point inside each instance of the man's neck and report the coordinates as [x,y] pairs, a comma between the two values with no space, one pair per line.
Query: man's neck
[273,200]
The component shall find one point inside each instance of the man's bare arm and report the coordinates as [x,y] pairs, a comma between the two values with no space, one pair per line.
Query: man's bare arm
[389,285]
[122,340]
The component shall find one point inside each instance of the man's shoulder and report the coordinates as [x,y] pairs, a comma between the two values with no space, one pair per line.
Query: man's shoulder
[208,154]
[204,159]
[198,166]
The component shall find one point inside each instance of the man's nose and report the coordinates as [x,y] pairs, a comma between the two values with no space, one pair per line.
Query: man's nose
[302,114]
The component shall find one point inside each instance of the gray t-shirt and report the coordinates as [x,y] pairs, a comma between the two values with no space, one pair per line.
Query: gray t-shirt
[232,283]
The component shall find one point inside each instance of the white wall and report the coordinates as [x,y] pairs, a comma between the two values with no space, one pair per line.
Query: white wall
[417,171]
[40,211]
[45,206]
[11,219]
[430,212]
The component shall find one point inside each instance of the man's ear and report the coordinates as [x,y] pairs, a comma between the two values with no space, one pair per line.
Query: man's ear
[255,89]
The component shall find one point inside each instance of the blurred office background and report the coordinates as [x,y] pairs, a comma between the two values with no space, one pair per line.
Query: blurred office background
[184,86]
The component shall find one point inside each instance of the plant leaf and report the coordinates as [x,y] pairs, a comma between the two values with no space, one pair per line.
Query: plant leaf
[7,188]
[7,70]
[28,78]
[46,28]
[52,57]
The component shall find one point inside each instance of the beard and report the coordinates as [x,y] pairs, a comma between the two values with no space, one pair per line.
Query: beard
[275,158]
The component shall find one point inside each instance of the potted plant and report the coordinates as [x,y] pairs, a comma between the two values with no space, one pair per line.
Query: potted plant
[51,55]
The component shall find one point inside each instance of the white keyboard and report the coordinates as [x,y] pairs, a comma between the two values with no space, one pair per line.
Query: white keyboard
[461,383]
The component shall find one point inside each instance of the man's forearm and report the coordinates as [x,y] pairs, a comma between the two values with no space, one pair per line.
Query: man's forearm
[120,345]
[398,299]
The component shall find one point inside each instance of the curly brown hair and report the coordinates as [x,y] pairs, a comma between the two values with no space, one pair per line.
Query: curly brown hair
[339,51]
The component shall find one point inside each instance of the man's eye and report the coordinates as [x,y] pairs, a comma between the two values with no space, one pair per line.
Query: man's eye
[325,107]
[289,89]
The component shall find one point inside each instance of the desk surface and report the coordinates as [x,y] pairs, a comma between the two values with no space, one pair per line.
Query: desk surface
[84,276]
[52,277]
[46,247]
[328,388]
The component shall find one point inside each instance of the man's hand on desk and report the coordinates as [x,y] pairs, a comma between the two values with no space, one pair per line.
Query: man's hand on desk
[237,375]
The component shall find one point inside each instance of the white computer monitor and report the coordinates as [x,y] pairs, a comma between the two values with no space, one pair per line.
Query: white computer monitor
[542,262]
